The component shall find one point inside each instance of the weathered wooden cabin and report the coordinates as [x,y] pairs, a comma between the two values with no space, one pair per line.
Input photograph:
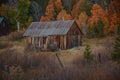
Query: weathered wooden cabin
[4,28]
[54,34]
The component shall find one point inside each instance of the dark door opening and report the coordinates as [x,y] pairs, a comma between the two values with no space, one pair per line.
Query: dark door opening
[75,39]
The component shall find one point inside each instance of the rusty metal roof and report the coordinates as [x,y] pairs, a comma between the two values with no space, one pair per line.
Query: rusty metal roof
[40,29]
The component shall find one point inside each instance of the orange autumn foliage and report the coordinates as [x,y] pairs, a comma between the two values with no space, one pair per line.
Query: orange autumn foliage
[82,19]
[97,14]
[114,7]
[114,15]
[113,22]
[49,14]
[2,10]
[64,14]
[53,8]
[82,22]
[76,8]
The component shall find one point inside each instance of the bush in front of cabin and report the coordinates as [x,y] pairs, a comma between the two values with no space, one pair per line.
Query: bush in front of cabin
[87,54]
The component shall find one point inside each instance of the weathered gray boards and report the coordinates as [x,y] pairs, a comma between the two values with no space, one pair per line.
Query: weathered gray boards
[54,34]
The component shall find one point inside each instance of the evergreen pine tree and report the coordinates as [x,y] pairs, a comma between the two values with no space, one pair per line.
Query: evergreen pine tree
[116,52]
[87,53]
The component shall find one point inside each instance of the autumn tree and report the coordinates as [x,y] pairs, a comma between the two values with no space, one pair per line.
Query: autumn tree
[52,9]
[97,14]
[49,14]
[113,23]
[98,19]
[65,15]
[81,6]
[114,16]
[82,22]
[76,8]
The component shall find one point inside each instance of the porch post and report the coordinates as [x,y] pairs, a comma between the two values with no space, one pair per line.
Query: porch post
[64,41]
[39,41]
[32,40]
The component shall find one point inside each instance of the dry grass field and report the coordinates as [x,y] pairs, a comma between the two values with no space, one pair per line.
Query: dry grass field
[17,63]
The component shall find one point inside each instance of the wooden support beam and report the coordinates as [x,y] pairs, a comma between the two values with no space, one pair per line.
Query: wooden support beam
[64,41]
[32,40]
[79,40]
[40,42]
[60,43]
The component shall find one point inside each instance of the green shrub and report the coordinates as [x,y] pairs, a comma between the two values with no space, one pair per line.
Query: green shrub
[116,52]
[87,54]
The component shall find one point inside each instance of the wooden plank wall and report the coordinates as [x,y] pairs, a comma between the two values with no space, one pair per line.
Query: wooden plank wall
[70,35]
[62,41]
[65,43]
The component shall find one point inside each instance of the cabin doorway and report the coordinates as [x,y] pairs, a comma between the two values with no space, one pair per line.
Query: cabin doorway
[75,39]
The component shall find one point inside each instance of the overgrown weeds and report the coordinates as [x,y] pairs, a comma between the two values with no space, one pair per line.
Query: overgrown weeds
[43,66]
[5,44]
[15,36]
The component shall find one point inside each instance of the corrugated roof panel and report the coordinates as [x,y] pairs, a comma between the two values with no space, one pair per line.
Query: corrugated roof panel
[49,28]
[33,25]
